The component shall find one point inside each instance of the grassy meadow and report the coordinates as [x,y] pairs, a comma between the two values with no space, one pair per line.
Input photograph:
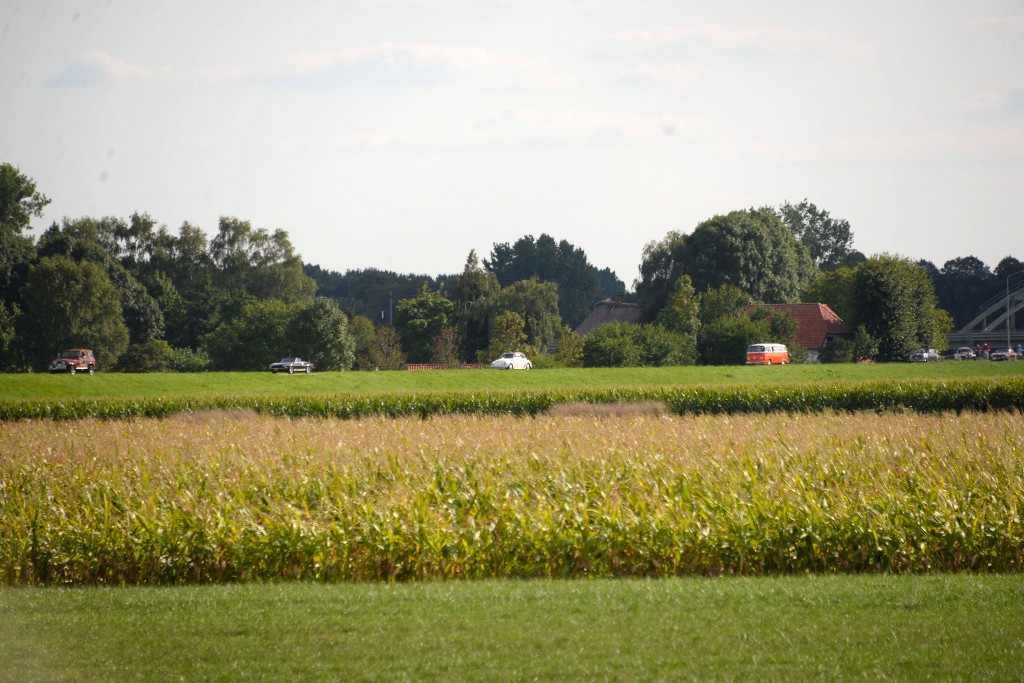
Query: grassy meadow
[171,385]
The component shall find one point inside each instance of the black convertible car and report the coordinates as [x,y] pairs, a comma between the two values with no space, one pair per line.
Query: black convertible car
[291,366]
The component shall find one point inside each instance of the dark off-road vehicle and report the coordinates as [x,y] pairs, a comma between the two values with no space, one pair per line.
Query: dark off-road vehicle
[74,360]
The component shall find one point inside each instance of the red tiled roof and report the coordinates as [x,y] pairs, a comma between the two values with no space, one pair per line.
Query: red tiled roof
[816,322]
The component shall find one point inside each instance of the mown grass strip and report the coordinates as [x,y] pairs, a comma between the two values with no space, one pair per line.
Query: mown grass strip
[963,627]
[924,396]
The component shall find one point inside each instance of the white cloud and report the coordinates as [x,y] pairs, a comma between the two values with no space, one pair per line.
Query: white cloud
[401,64]
[657,74]
[535,126]
[99,68]
[744,39]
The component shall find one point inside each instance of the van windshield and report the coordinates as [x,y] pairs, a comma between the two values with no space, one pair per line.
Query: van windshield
[755,349]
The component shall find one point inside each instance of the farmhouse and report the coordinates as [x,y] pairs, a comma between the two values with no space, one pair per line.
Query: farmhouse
[609,311]
[817,324]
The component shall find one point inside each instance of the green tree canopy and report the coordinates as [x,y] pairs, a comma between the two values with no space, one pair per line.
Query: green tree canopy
[69,305]
[579,282]
[419,321]
[829,240]
[19,200]
[319,333]
[750,249]
[536,303]
[896,304]
[261,263]
[252,340]
[475,297]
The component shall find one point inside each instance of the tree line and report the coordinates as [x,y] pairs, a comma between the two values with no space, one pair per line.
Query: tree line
[146,298]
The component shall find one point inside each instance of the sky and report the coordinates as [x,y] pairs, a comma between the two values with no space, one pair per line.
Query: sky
[401,134]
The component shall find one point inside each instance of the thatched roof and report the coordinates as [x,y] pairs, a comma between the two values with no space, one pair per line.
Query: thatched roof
[609,311]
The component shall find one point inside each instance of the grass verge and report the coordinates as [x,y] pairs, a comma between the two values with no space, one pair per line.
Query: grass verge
[945,627]
[220,384]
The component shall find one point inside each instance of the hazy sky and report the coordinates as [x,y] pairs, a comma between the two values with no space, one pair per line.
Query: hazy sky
[401,134]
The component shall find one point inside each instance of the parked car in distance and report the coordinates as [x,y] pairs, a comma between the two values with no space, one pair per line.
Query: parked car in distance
[767,354]
[291,366]
[965,353]
[1002,354]
[512,360]
[925,356]
[73,361]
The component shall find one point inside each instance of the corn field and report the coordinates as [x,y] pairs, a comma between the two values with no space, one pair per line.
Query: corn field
[225,496]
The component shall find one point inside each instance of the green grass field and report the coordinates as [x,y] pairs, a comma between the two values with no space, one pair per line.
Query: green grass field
[947,628]
[118,385]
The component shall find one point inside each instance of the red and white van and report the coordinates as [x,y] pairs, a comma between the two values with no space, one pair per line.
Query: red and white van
[767,354]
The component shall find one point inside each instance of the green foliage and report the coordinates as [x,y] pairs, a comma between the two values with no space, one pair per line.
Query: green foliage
[445,350]
[726,301]
[254,339]
[613,345]
[507,335]
[569,352]
[920,396]
[750,250]
[725,341]
[896,304]
[420,320]
[474,294]
[621,345]
[387,353]
[71,305]
[579,283]
[19,200]
[682,313]
[835,289]
[536,303]
[660,270]
[829,240]
[318,332]
[363,336]
[151,356]
[258,262]
[838,350]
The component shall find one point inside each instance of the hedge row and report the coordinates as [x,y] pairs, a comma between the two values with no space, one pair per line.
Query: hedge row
[925,396]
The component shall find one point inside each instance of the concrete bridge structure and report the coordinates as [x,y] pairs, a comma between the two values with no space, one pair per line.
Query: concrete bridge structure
[994,317]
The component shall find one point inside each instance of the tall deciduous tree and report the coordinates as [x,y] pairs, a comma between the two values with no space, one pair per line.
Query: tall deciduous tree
[419,321]
[69,304]
[660,269]
[751,250]
[896,305]
[387,353]
[261,263]
[319,332]
[579,282]
[536,303]
[252,340]
[835,289]
[19,203]
[829,240]
[474,294]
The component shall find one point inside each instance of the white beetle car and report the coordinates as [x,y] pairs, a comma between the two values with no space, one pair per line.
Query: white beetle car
[512,361]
